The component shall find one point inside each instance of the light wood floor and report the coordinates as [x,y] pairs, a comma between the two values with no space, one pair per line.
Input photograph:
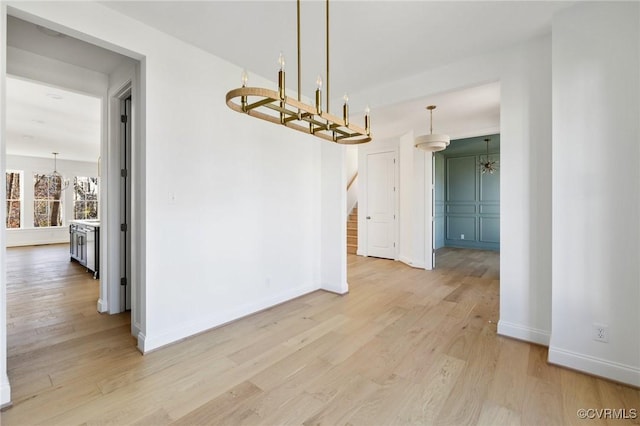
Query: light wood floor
[405,346]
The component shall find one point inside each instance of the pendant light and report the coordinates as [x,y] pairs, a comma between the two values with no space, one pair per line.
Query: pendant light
[432,142]
[55,176]
[486,165]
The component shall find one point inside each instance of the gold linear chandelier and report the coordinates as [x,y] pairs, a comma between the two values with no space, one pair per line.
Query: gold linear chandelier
[277,107]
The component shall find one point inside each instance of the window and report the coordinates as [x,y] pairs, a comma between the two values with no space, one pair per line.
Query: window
[14,199]
[85,197]
[47,191]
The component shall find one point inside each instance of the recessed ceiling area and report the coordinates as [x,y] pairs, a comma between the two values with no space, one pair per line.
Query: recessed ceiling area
[42,119]
[463,113]
[55,45]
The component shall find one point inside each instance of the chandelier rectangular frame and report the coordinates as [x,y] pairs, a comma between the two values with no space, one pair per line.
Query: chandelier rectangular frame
[278,108]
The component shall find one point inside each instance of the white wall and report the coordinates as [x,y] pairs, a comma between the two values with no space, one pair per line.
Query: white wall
[415,168]
[28,235]
[351,162]
[525,194]
[596,153]
[333,219]
[249,235]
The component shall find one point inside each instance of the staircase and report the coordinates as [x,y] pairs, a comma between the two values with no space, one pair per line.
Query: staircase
[352,231]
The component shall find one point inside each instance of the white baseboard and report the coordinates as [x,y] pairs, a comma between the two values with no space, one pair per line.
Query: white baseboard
[147,343]
[407,261]
[102,306]
[520,332]
[141,343]
[5,392]
[135,330]
[37,236]
[596,366]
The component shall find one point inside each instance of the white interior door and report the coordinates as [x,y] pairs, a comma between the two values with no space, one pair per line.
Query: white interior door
[380,213]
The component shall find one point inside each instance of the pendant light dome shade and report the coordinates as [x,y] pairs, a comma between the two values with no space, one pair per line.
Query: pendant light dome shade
[432,142]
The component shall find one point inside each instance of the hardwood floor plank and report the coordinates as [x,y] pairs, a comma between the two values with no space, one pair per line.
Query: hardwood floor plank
[543,403]
[510,380]
[216,410]
[493,414]
[426,398]
[404,346]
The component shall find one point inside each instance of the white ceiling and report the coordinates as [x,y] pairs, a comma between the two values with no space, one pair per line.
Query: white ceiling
[372,43]
[42,119]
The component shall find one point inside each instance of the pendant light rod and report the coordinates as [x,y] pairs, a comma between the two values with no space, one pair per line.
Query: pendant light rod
[299,58]
[327,46]
[431,108]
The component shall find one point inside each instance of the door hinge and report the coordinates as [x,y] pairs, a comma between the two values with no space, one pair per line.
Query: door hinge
[123,281]
[124,227]
[124,118]
[394,161]
[124,173]
[394,244]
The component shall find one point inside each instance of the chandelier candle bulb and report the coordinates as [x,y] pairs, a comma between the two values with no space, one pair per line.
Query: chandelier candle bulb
[318,101]
[367,125]
[281,84]
[319,95]
[345,110]
[244,78]
[243,99]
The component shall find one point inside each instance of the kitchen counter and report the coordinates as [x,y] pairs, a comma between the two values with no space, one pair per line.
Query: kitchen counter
[87,222]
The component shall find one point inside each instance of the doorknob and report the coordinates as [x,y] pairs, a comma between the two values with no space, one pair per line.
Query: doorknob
[368,217]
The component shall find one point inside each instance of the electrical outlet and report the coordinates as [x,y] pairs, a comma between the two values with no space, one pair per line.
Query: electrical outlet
[601,332]
[462,236]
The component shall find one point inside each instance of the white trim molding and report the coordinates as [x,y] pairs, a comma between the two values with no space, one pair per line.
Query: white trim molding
[5,392]
[409,262]
[102,306]
[520,332]
[596,366]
